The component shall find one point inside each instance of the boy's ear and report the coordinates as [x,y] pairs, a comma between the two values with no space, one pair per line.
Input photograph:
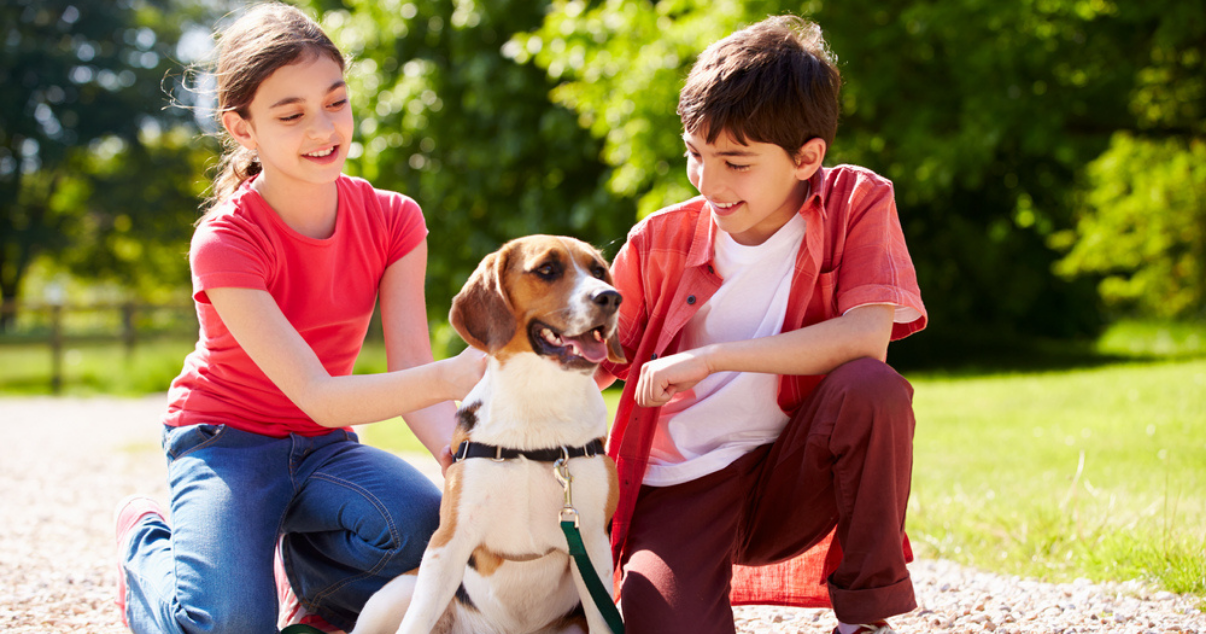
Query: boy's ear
[239,129]
[809,158]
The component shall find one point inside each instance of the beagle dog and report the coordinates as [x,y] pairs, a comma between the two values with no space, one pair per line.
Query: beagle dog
[544,310]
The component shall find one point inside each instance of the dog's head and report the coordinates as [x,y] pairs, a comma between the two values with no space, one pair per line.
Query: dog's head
[551,295]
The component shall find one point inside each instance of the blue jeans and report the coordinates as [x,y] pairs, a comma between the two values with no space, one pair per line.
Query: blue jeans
[352,516]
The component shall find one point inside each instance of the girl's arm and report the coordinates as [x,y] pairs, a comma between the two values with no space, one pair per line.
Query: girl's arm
[264,332]
[817,349]
[408,344]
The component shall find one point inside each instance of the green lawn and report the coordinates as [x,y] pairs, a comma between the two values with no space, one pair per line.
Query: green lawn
[1098,473]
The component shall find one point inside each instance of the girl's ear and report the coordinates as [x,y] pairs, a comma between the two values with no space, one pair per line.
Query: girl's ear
[809,158]
[239,129]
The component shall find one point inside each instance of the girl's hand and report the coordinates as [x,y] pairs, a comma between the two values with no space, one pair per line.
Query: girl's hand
[462,372]
[445,458]
[662,378]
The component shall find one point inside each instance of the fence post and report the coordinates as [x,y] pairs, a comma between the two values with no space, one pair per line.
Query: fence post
[55,297]
[56,348]
[128,333]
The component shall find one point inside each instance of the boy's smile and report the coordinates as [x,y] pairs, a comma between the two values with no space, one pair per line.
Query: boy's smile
[752,189]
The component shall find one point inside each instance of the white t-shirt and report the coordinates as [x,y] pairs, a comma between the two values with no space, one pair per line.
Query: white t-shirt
[726,415]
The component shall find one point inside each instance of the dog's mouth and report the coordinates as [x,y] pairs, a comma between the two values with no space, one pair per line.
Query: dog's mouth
[586,349]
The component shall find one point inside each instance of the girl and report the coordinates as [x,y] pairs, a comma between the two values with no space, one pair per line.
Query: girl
[287,264]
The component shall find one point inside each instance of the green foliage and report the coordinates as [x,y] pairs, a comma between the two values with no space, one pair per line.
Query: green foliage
[82,125]
[981,113]
[446,118]
[1142,226]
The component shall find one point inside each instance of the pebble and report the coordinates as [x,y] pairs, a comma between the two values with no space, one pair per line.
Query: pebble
[64,464]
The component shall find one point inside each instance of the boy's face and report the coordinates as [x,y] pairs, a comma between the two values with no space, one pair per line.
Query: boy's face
[752,189]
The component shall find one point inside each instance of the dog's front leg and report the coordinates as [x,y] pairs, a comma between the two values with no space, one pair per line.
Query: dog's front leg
[599,551]
[440,573]
[443,565]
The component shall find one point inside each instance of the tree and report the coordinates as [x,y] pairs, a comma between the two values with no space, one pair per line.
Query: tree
[982,114]
[446,118]
[1143,231]
[80,77]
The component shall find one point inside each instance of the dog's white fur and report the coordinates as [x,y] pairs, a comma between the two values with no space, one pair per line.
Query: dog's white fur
[505,515]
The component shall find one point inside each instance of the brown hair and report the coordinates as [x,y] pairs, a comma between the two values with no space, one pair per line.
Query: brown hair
[264,39]
[773,82]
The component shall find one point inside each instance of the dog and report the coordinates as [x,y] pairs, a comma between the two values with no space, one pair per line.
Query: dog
[544,310]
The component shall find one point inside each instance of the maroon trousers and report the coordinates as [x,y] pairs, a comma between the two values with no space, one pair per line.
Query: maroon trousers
[844,460]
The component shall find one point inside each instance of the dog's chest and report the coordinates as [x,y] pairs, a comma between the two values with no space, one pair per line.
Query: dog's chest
[516,504]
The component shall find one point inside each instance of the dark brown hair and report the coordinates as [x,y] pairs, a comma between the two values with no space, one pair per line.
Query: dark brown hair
[264,39]
[773,82]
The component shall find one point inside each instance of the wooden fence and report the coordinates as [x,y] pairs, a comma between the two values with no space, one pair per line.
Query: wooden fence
[58,325]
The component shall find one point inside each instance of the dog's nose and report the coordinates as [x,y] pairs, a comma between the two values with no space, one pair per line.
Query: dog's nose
[607,301]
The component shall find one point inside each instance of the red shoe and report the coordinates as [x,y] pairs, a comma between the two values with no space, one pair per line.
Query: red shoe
[878,627]
[129,513]
[291,610]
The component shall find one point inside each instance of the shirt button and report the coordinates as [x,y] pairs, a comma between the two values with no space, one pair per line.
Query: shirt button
[691,299]
[653,356]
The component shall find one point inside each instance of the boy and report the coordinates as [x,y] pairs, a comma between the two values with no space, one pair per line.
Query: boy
[759,416]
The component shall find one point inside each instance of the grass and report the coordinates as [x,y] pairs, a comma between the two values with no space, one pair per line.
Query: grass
[1097,473]
[1059,470]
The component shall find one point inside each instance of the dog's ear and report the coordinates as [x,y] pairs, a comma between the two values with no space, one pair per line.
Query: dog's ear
[615,352]
[481,312]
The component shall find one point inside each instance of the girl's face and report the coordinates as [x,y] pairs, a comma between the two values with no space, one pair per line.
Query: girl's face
[300,123]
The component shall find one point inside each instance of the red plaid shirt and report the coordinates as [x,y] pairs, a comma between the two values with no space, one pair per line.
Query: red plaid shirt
[853,254]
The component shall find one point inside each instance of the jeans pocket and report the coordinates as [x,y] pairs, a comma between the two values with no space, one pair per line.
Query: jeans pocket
[181,441]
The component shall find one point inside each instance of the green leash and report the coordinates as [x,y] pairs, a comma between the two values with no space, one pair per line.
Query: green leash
[577,549]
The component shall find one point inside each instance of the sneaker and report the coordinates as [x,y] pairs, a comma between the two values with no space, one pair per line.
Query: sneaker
[292,612]
[129,513]
[878,627]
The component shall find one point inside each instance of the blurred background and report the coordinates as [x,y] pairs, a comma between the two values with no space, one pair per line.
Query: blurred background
[1049,159]
[1049,156]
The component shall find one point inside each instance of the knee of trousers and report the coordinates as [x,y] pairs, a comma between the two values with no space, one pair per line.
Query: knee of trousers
[874,390]
[871,380]
[416,526]
[228,615]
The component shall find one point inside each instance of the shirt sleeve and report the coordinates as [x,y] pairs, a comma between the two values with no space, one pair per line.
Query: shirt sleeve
[222,255]
[407,227]
[626,275]
[876,267]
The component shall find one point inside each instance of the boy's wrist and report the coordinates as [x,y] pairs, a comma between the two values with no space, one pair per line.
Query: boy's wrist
[711,356]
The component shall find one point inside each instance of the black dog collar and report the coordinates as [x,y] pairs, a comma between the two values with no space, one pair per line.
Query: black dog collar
[498,454]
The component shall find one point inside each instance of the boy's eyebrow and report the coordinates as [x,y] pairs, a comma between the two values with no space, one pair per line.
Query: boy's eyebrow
[292,100]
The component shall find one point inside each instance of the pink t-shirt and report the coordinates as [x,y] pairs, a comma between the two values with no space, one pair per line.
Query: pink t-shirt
[326,288]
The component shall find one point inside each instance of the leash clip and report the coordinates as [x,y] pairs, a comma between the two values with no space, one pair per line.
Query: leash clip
[562,473]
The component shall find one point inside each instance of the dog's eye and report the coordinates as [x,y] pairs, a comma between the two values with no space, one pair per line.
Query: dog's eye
[548,271]
[598,271]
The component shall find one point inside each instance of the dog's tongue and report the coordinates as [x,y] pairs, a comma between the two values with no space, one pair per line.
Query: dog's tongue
[587,347]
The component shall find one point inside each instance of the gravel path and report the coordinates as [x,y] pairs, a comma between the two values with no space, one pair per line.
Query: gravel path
[64,463]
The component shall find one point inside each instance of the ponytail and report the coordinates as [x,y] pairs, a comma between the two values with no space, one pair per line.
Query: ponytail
[237,165]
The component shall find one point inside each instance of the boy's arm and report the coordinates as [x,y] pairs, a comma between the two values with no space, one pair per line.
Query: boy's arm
[817,349]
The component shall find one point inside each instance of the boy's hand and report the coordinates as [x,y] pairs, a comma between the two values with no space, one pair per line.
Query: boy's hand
[662,378]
